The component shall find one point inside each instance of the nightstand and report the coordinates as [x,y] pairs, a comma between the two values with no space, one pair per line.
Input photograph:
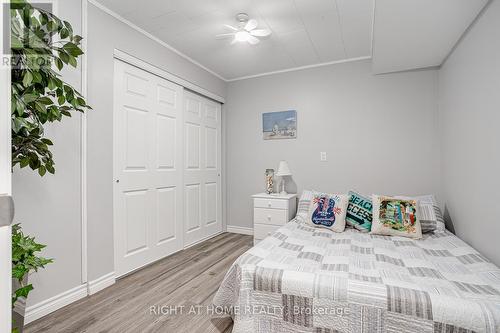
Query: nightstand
[270,212]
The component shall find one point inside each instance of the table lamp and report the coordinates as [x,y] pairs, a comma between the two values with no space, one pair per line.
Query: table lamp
[283,171]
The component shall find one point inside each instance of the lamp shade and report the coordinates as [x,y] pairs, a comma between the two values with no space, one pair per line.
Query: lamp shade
[283,169]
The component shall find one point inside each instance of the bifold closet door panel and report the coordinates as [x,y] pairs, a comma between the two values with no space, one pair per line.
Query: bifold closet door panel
[148,170]
[202,156]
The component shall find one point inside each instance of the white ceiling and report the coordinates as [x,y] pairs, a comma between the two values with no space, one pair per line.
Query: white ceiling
[305,32]
[406,35]
[419,33]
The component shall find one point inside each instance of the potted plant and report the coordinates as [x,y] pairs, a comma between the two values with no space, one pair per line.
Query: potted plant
[41,46]
[24,261]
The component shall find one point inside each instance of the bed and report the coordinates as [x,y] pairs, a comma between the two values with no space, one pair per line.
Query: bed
[305,279]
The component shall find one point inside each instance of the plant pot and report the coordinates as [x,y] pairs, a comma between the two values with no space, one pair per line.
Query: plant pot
[19,309]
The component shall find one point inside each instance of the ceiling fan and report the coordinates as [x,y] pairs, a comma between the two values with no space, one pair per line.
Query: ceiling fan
[246,31]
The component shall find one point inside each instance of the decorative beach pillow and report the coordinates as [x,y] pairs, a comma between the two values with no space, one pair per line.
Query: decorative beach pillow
[430,216]
[395,216]
[328,211]
[359,212]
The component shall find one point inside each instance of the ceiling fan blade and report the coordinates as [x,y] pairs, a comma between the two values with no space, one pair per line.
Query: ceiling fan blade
[253,40]
[260,32]
[251,24]
[224,36]
[230,27]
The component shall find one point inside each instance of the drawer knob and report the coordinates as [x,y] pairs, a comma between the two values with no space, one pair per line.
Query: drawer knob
[269,204]
[269,217]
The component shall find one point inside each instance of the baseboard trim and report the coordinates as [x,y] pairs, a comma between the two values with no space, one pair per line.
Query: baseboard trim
[239,230]
[101,283]
[52,304]
[202,240]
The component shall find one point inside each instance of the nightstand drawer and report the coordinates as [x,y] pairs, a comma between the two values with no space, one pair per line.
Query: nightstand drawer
[270,203]
[270,216]
[261,231]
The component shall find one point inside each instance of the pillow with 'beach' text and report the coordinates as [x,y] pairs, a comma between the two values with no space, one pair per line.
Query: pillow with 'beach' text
[359,212]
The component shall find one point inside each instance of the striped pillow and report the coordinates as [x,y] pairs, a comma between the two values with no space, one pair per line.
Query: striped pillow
[303,207]
[431,218]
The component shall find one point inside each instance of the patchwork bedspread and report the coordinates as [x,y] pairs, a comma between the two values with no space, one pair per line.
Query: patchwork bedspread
[304,279]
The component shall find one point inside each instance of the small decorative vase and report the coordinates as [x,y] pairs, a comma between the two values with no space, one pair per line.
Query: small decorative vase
[269,181]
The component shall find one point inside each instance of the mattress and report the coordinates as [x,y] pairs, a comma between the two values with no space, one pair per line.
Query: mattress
[305,279]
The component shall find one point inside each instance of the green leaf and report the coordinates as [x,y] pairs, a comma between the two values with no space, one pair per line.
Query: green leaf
[43,19]
[37,77]
[52,26]
[15,42]
[51,84]
[61,100]
[59,63]
[64,33]
[51,169]
[18,124]
[45,100]
[42,170]
[64,56]
[24,162]
[28,98]
[72,61]
[68,26]
[28,78]
[72,49]
[47,141]
[24,291]
[81,101]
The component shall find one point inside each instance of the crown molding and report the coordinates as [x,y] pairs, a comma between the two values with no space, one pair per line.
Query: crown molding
[293,69]
[152,37]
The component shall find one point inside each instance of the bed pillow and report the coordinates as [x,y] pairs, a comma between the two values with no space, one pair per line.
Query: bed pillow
[303,206]
[359,212]
[396,216]
[328,211]
[431,218]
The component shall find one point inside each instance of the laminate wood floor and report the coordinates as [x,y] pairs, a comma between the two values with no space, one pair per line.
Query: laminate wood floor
[187,279]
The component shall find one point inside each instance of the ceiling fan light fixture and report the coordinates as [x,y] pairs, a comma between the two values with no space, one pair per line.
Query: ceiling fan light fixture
[242,36]
[245,32]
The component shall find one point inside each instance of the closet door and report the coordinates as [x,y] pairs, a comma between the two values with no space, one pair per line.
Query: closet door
[202,167]
[148,193]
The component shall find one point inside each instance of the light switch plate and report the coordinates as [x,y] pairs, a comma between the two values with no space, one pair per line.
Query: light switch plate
[322,156]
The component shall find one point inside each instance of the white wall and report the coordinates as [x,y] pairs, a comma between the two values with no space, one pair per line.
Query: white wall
[49,207]
[469,87]
[379,132]
[106,34]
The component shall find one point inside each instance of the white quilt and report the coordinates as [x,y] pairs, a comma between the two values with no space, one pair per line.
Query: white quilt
[304,279]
